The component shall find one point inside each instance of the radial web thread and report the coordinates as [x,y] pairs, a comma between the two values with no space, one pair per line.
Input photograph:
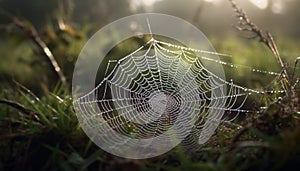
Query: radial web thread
[158,86]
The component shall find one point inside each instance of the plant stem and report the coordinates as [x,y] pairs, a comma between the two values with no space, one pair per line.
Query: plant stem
[34,36]
[18,106]
[246,25]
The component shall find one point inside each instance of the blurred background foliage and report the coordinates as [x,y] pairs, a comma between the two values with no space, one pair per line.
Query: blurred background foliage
[66,25]
[39,129]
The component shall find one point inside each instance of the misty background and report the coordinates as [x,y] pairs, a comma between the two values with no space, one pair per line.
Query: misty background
[66,25]
[210,16]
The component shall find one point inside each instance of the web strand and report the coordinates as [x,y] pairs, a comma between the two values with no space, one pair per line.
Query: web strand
[146,94]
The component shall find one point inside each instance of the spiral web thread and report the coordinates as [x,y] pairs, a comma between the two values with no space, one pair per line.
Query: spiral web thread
[148,92]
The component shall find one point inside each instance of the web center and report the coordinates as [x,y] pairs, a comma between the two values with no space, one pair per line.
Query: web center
[158,102]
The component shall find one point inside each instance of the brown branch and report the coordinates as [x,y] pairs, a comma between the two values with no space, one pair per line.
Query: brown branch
[23,88]
[21,108]
[34,36]
[244,144]
[294,71]
[245,24]
[240,133]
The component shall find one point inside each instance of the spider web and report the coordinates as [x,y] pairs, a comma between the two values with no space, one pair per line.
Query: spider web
[161,87]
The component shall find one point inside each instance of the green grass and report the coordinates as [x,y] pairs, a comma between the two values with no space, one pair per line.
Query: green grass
[49,138]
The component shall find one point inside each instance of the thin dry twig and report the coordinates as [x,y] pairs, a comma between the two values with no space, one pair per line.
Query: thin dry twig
[20,107]
[240,133]
[23,88]
[253,144]
[246,25]
[294,72]
[34,36]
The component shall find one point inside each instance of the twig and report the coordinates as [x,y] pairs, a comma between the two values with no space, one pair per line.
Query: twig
[22,87]
[32,33]
[235,140]
[20,107]
[245,24]
[240,133]
[294,71]
[244,144]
